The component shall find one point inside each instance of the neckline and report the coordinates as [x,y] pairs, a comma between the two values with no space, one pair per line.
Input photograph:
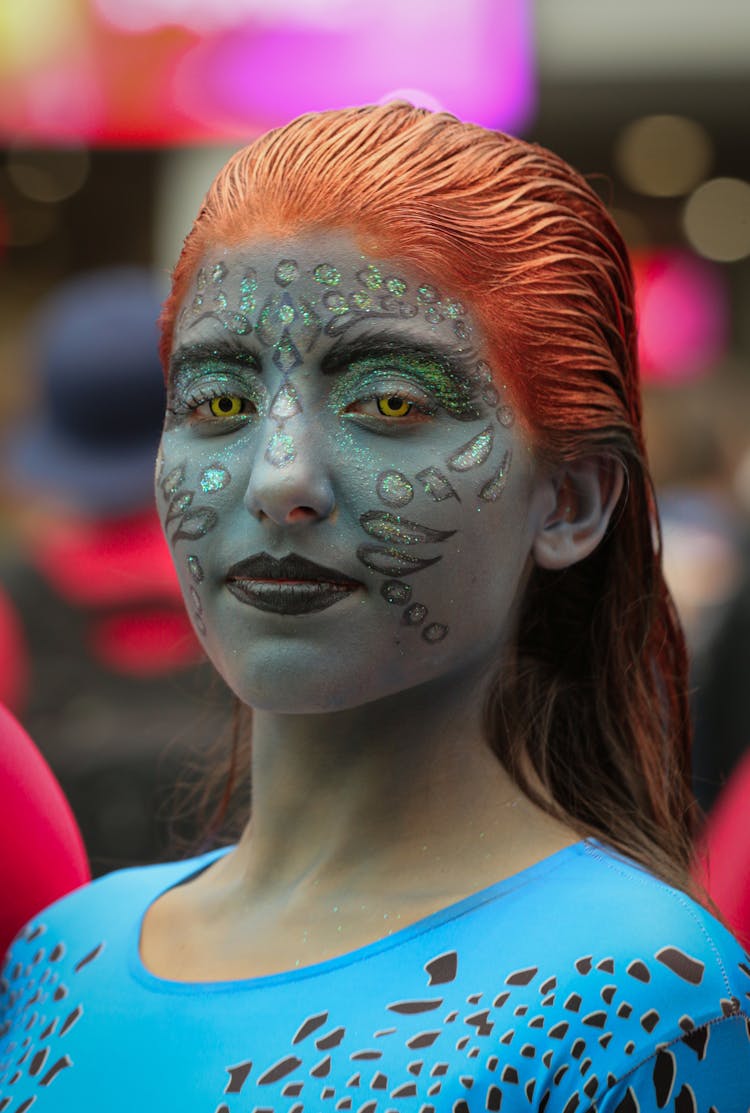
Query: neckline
[140,973]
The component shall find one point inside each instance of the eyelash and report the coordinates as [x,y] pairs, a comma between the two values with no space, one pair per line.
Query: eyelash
[199,396]
[419,403]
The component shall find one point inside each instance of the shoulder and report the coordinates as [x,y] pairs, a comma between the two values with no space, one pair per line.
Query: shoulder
[652,941]
[644,988]
[98,916]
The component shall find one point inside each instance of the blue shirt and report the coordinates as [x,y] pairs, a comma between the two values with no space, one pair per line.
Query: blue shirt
[580,984]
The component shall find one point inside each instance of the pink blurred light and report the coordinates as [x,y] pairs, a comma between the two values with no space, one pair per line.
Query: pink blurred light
[64,101]
[476,63]
[683,315]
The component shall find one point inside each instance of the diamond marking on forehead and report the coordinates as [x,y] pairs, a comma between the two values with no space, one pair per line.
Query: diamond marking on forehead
[286,355]
[286,403]
[280,451]
[248,286]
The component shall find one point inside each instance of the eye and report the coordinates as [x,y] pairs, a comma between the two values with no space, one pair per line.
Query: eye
[393,405]
[227,405]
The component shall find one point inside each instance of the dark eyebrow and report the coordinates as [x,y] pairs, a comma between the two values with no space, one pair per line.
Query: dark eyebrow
[226,350]
[380,342]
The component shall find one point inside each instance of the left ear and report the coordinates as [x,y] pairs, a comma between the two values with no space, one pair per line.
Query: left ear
[580,497]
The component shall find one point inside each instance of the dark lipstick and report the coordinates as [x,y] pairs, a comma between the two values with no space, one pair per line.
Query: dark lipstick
[289,585]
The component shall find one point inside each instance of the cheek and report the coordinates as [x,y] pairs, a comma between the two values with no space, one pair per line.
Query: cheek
[192,497]
[444,534]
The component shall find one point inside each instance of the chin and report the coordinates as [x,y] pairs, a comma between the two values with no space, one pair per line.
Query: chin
[282,678]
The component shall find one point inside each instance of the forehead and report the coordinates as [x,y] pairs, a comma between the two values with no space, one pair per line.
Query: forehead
[324,283]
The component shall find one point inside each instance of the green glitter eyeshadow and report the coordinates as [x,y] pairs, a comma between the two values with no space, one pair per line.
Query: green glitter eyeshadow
[449,389]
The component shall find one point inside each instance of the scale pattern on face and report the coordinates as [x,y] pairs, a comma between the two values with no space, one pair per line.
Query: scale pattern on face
[396,489]
[189,522]
[289,327]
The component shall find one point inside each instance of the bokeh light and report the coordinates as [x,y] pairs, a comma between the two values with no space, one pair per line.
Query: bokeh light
[633,227]
[683,314]
[716,219]
[31,223]
[48,175]
[663,156]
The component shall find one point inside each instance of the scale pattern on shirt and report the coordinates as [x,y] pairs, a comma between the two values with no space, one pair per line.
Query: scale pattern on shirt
[536,1038]
[35,999]
[438,1020]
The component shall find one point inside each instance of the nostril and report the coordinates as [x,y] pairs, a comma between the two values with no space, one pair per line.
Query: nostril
[301,514]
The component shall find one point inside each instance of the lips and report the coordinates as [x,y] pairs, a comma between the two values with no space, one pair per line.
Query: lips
[290,585]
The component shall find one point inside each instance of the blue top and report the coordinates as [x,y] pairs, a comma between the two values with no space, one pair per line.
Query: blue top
[581,983]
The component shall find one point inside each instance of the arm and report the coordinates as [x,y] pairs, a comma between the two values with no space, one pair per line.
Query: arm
[707,1070]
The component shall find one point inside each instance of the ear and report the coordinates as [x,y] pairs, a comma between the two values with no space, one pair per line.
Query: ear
[579,499]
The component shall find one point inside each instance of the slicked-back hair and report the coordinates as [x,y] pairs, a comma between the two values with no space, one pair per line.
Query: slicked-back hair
[589,714]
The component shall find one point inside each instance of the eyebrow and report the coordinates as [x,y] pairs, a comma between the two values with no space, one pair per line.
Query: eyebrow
[343,350]
[377,341]
[225,350]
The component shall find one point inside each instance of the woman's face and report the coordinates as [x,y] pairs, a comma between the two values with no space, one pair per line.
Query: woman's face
[347,491]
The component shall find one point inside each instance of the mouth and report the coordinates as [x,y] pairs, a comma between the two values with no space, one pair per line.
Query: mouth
[289,585]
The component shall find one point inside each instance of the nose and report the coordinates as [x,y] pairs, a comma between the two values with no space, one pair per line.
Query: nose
[290,481]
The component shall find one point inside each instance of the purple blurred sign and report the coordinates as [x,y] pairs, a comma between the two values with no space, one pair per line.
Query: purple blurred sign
[470,57]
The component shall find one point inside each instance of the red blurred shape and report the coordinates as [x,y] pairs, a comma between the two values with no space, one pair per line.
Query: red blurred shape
[683,314]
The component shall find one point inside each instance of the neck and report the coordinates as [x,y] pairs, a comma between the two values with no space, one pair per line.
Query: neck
[402,789]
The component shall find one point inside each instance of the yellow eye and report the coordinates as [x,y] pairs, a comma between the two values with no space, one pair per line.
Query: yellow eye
[226,405]
[393,406]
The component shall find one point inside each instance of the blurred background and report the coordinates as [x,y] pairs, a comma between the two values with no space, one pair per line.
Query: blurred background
[113,119]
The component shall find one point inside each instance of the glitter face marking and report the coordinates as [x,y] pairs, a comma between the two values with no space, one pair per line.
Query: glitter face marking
[195,568]
[382,296]
[280,450]
[400,531]
[214,478]
[191,522]
[435,632]
[286,403]
[393,591]
[474,453]
[494,487]
[394,488]
[391,561]
[289,326]
[414,615]
[436,485]
[427,382]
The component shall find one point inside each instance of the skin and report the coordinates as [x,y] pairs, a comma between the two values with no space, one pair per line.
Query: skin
[376,799]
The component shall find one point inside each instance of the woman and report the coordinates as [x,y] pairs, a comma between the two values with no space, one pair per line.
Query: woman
[402,474]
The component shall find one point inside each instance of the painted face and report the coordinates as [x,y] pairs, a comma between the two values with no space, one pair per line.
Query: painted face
[341,477]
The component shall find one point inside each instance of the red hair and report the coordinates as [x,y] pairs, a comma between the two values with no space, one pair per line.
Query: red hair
[591,719]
